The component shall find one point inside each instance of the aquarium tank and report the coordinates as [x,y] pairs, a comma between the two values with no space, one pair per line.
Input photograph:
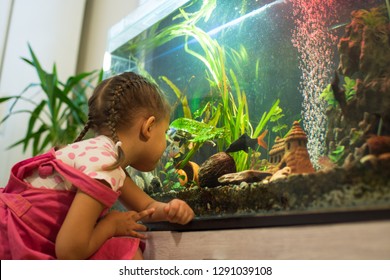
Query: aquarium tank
[279,106]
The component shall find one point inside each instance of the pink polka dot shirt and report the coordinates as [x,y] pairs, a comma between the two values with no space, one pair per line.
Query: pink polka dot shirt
[89,156]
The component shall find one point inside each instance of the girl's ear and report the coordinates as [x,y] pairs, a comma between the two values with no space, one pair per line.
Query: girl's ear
[146,128]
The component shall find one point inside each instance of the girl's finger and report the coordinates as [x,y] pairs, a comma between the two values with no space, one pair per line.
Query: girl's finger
[144,213]
[136,234]
[140,227]
[174,214]
[186,217]
[173,210]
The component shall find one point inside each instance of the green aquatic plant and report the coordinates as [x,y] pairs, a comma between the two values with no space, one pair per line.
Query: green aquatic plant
[244,160]
[204,12]
[204,113]
[350,88]
[388,8]
[238,58]
[226,106]
[349,91]
[181,96]
[59,116]
[374,17]
[328,96]
[171,177]
[275,118]
[355,136]
[337,154]
[200,132]
[157,37]
[230,108]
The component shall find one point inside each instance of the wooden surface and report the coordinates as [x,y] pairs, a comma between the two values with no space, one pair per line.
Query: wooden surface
[359,240]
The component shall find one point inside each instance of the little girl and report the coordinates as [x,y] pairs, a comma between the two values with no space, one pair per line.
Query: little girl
[55,204]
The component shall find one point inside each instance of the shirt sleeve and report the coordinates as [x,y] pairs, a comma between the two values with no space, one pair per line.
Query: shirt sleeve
[93,158]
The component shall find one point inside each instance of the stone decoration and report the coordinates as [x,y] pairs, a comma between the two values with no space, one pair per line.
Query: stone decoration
[214,167]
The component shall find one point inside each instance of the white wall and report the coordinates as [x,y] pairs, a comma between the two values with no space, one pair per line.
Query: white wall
[5,14]
[71,33]
[53,28]
[100,16]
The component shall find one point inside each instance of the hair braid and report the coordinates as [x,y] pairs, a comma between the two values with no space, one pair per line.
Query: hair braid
[84,131]
[112,124]
[113,115]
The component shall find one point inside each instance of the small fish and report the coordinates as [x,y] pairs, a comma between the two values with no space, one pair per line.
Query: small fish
[179,141]
[337,26]
[245,142]
[173,150]
[171,133]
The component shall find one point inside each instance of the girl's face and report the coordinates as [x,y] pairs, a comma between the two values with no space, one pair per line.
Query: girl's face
[158,139]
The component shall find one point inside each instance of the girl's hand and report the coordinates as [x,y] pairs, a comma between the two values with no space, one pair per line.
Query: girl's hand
[126,223]
[177,211]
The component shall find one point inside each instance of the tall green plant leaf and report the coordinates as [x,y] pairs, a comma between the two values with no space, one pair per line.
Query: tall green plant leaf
[265,118]
[61,113]
[182,97]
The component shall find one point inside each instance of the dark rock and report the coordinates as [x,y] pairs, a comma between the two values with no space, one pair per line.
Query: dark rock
[214,167]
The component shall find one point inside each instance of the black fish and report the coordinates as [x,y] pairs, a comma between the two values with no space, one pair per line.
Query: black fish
[245,142]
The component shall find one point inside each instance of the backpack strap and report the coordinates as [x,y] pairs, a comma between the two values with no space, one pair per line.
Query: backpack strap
[46,164]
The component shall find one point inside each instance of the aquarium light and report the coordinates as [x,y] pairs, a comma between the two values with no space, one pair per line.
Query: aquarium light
[240,19]
[106,61]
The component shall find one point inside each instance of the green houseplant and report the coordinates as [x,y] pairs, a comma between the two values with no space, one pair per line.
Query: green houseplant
[58,117]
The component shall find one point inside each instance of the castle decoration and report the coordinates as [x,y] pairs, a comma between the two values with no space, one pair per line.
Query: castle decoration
[292,152]
[277,152]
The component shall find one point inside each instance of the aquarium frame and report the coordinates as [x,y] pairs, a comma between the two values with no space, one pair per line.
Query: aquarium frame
[143,17]
[308,218]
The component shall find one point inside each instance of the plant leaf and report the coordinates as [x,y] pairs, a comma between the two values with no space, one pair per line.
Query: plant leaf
[4,99]
[182,97]
[75,80]
[34,117]
[12,113]
[265,118]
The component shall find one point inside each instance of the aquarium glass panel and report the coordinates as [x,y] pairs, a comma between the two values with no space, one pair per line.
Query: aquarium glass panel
[278,106]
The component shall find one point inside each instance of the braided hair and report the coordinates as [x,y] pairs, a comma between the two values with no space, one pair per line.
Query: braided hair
[116,102]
